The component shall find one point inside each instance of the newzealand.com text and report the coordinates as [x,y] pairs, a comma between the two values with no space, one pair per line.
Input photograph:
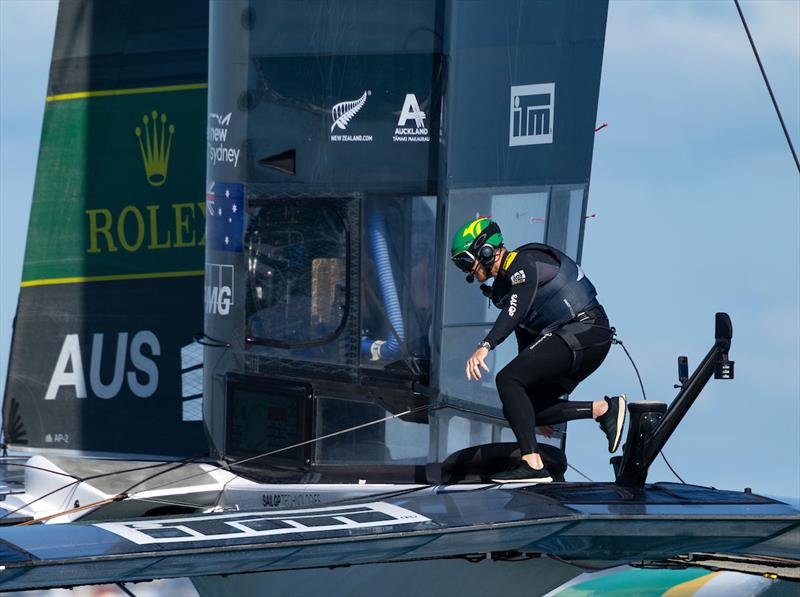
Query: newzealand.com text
[356,138]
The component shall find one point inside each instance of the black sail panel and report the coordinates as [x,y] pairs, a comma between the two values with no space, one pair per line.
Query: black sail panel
[102,358]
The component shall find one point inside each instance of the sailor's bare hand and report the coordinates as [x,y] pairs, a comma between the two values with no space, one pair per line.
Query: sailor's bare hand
[546,430]
[475,363]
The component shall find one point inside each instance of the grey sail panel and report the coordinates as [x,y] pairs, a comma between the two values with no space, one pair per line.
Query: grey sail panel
[128,44]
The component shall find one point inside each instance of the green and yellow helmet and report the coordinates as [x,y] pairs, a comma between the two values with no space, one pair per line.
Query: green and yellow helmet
[471,238]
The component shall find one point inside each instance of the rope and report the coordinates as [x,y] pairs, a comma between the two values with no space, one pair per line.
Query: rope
[40,468]
[166,502]
[120,496]
[98,476]
[126,590]
[70,511]
[580,473]
[769,87]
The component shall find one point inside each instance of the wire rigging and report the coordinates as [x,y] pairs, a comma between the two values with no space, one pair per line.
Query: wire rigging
[126,493]
[90,478]
[769,87]
[580,473]
[313,440]
[616,340]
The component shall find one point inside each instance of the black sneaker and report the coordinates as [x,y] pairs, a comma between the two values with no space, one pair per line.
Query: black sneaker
[613,421]
[523,473]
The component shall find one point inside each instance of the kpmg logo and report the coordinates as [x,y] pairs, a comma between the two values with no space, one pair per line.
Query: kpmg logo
[343,112]
[532,114]
[155,147]
[219,289]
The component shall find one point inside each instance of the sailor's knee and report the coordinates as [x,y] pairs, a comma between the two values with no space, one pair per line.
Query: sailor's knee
[503,380]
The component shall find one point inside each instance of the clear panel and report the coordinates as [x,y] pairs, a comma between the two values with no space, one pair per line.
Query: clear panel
[564,219]
[392,442]
[453,430]
[522,218]
[506,435]
[398,261]
[464,432]
[467,314]
[458,344]
[576,197]
[296,279]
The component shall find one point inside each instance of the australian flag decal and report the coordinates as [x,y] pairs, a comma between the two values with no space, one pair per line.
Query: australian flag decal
[225,216]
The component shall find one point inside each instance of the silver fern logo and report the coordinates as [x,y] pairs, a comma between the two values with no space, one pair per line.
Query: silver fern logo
[343,112]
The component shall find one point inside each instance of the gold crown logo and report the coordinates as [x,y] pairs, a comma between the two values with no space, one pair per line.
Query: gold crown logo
[155,152]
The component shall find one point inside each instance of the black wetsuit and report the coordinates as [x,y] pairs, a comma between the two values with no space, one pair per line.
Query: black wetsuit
[551,362]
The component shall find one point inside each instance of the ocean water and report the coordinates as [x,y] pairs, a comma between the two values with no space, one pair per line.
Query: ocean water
[177,587]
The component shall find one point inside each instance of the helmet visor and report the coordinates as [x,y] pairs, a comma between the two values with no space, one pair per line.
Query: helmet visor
[464,261]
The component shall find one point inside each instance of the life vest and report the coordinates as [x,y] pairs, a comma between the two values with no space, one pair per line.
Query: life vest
[562,298]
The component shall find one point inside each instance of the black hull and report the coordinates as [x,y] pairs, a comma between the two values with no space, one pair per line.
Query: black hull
[587,525]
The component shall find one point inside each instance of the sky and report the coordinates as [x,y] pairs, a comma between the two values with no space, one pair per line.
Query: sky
[698,210]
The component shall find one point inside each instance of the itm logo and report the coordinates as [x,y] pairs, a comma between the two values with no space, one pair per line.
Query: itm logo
[219,289]
[156,147]
[532,114]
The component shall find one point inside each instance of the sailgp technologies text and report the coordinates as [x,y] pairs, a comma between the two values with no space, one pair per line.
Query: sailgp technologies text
[217,137]
[284,500]
[286,524]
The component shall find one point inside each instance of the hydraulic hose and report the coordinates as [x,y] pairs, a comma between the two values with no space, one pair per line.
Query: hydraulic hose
[392,346]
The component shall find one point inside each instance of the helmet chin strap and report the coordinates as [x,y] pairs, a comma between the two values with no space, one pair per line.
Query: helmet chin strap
[470,278]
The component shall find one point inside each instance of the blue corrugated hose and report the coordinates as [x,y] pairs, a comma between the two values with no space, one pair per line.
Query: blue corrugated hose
[391,347]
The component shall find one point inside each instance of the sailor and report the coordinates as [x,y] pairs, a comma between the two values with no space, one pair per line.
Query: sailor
[562,333]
